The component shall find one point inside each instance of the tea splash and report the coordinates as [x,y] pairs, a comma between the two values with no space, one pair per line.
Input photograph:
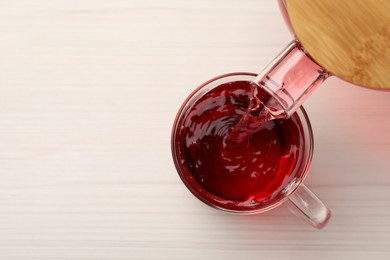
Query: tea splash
[253,120]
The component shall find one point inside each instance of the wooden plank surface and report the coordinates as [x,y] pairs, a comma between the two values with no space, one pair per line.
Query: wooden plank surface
[89,90]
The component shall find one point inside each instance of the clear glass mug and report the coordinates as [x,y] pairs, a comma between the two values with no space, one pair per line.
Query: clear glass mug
[295,195]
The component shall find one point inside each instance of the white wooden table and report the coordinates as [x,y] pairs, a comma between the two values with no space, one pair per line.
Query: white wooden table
[88,93]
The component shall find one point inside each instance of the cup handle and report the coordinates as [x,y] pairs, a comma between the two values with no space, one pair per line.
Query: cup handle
[306,205]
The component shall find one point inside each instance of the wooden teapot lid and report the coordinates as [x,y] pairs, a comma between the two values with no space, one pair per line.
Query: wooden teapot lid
[349,38]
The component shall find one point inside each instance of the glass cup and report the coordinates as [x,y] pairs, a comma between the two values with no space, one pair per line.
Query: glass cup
[294,194]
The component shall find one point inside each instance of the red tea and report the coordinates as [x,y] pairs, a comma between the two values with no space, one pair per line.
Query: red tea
[253,172]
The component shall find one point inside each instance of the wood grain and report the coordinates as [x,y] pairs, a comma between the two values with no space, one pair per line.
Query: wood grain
[349,38]
[89,90]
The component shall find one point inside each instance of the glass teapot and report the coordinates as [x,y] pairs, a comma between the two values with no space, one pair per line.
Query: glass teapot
[343,38]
